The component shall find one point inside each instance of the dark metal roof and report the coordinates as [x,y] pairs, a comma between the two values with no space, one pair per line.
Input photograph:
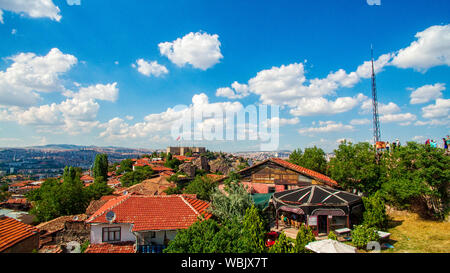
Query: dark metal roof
[316,195]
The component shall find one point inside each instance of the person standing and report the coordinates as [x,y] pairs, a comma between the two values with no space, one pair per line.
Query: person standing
[387,146]
[445,144]
[448,142]
[398,143]
[394,145]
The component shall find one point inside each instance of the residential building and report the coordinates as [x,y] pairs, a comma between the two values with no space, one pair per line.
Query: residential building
[149,221]
[17,237]
[275,175]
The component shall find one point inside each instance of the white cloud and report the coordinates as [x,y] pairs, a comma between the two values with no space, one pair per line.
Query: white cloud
[161,123]
[426,93]
[383,109]
[14,31]
[359,121]
[237,91]
[30,74]
[150,68]
[34,9]
[438,110]
[326,127]
[321,106]
[77,114]
[74,2]
[432,48]
[406,117]
[201,50]
[433,122]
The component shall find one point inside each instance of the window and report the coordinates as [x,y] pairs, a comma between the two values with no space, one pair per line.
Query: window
[111,234]
[286,187]
[271,189]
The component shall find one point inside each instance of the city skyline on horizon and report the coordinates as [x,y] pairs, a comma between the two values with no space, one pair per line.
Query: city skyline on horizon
[112,75]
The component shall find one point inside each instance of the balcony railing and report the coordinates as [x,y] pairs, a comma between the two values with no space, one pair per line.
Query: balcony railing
[151,248]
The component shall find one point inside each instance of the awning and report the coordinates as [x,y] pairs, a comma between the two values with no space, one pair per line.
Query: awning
[333,212]
[294,210]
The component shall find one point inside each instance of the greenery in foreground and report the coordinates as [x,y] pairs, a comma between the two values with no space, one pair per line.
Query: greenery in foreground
[55,198]
[414,174]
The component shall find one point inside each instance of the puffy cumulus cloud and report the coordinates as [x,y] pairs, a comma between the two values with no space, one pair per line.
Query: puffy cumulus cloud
[77,114]
[201,50]
[432,48]
[34,9]
[237,91]
[403,118]
[150,68]
[322,106]
[426,93]
[383,109]
[30,74]
[106,92]
[326,127]
[160,124]
[441,109]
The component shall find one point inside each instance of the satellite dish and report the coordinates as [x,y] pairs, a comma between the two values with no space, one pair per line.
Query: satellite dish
[125,192]
[110,216]
[75,218]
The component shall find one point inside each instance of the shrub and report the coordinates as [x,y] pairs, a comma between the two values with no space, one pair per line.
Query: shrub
[375,211]
[332,236]
[304,237]
[361,235]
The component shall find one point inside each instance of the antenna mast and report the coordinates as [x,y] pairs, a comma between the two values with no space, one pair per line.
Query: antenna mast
[376,121]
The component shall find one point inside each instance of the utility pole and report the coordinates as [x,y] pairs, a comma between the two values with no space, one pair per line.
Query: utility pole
[376,121]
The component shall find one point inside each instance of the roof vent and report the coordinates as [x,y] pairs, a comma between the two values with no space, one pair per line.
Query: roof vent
[110,216]
[75,218]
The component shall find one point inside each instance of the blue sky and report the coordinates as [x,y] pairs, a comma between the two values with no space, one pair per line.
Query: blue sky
[111,72]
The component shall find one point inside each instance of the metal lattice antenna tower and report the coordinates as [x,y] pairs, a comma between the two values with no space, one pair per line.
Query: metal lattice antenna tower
[376,121]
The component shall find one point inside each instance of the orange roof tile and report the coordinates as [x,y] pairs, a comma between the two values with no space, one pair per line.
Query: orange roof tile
[13,231]
[122,247]
[161,212]
[87,178]
[305,171]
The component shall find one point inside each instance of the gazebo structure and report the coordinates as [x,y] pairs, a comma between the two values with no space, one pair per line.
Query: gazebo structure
[320,207]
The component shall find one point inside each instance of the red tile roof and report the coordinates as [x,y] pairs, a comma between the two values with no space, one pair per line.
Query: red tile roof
[161,212]
[21,184]
[305,171]
[122,247]
[87,178]
[17,201]
[13,231]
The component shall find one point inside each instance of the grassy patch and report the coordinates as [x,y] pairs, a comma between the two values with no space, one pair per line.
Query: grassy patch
[412,234]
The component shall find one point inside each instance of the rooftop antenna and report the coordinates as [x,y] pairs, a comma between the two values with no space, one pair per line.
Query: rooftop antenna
[376,121]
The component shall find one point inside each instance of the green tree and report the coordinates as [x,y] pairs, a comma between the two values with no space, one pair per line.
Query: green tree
[100,165]
[233,202]
[304,237]
[252,239]
[126,165]
[313,159]
[196,239]
[375,211]
[137,176]
[417,173]
[98,189]
[355,167]
[203,187]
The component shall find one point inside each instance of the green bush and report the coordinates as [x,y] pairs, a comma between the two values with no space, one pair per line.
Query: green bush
[375,211]
[332,236]
[304,237]
[361,235]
